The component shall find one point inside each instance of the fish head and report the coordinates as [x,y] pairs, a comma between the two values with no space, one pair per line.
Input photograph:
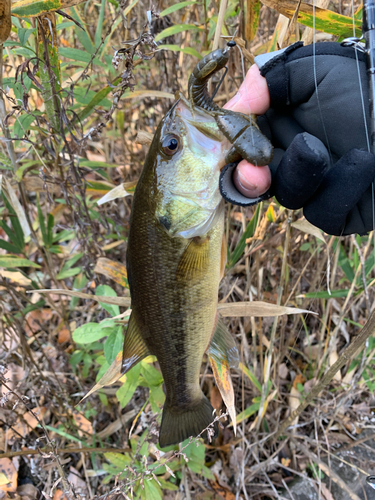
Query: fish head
[191,151]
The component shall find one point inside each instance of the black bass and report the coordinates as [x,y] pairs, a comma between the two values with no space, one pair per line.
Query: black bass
[176,257]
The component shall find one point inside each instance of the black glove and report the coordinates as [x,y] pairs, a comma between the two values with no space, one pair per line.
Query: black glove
[317,124]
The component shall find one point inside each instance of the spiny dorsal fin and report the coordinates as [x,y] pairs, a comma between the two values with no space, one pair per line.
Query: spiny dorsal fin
[194,260]
[135,348]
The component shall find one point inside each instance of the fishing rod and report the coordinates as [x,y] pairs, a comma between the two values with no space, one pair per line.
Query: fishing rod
[368,47]
[368,29]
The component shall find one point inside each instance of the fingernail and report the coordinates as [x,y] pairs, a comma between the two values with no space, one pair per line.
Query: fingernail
[232,101]
[245,186]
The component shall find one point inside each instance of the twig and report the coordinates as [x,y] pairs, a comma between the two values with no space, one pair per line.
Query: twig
[87,449]
[347,355]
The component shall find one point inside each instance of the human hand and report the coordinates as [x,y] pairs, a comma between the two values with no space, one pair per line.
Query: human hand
[252,97]
[317,125]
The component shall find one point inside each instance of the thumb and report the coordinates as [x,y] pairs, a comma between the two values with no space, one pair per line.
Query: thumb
[253,95]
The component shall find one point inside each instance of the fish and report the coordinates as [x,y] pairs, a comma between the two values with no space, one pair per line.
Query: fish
[176,257]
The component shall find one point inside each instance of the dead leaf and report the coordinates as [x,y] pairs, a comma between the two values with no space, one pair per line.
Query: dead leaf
[283,371]
[35,319]
[14,374]
[224,493]
[28,490]
[333,357]
[114,194]
[305,226]
[63,335]
[144,138]
[299,379]
[95,156]
[110,377]
[82,423]
[215,398]
[8,475]
[327,495]
[117,301]
[258,309]
[25,425]
[15,277]
[113,270]
[76,480]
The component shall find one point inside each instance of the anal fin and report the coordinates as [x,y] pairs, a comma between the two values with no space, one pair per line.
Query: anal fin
[223,354]
[135,348]
[195,259]
[222,346]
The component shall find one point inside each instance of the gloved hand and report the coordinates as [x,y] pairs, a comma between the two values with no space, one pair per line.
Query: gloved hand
[317,120]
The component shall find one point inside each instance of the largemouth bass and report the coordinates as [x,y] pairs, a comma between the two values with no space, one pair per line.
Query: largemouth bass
[175,260]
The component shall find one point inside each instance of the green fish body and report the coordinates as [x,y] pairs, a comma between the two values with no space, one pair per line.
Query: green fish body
[175,260]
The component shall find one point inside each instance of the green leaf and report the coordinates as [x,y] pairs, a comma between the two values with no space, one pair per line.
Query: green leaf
[9,247]
[96,100]
[151,490]
[151,374]
[99,28]
[82,35]
[177,28]
[126,391]
[79,55]
[68,273]
[95,164]
[248,233]
[22,125]
[157,398]
[325,294]
[107,291]
[11,261]
[248,412]
[113,345]
[251,376]
[90,332]
[175,7]
[186,50]
[346,265]
[24,33]
[118,460]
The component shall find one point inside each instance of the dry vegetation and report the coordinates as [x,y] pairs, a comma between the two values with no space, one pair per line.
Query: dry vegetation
[64,149]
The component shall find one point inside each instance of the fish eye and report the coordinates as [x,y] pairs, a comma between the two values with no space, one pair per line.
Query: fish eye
[170,144]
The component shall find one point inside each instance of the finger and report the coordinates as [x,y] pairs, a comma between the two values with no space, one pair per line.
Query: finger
[253,95]
[250,180]
[300,171]
[333,207]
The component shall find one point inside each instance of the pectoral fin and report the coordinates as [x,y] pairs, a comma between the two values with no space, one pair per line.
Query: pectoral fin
[194,260]
[135,348]
[223,354]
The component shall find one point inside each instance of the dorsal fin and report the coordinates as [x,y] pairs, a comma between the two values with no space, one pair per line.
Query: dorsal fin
[135,348]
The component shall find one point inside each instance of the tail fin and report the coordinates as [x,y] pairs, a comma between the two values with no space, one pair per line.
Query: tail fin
[176,426]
